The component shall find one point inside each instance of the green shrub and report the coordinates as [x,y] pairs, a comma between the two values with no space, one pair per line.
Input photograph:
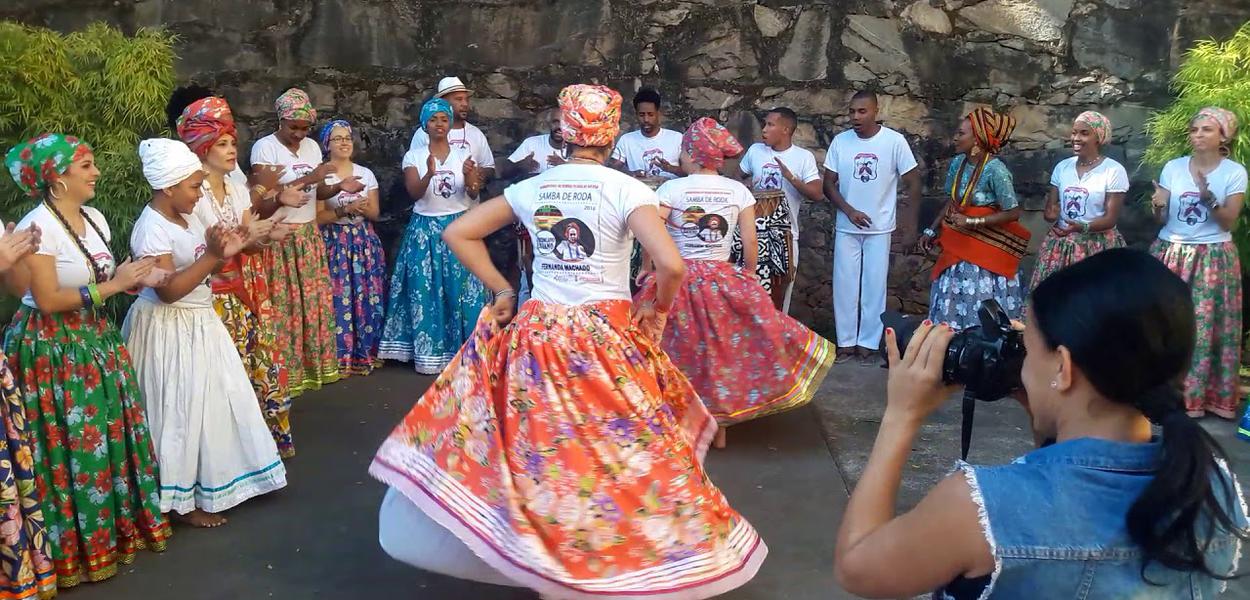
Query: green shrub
[1213,74]
[100,85]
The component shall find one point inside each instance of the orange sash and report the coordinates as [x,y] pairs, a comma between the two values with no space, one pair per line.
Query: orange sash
[997,249]
[229,280]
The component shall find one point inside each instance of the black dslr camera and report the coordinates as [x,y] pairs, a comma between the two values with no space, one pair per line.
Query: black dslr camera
[985,359]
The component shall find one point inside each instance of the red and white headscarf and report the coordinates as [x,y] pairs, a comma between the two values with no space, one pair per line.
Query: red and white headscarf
[590,115]
[205,121]
[709,144]
[1224,119]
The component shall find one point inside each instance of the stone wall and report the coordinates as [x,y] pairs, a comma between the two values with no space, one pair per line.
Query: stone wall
[374,61]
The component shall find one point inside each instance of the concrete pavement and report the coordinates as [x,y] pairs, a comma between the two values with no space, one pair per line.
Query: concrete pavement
[318,537]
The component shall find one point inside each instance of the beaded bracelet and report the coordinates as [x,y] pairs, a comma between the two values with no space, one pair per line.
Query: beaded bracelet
[94,291]
[85,294]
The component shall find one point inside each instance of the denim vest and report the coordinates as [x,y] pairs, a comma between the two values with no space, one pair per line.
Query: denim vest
[1055,520]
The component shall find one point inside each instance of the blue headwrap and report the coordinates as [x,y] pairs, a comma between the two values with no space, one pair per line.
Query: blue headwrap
[325,132]
[436,105]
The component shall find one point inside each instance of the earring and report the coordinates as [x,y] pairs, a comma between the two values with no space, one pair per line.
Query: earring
[1054,385]
[64,186]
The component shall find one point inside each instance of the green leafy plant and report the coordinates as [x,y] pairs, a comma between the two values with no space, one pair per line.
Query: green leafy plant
[100,85]
[1213,73]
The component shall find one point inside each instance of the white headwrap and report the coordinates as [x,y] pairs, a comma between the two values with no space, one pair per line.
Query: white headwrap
[166,162]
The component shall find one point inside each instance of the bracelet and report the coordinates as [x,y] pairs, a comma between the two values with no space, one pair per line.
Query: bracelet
[504,293]
[85,294]
[1084,227]
[94,292]
[928,231]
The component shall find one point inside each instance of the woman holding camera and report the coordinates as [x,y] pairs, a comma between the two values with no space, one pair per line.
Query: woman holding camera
[1198,199]
[1108,342]
[981,237]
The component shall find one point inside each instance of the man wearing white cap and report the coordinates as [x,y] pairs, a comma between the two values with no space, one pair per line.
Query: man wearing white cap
[463,135]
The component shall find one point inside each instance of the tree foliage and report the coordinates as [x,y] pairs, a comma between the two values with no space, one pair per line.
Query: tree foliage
[1213,73]
[98,84]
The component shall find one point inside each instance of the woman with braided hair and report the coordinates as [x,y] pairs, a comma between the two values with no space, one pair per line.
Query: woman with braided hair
[1198,199]
[92,452]
[980,235]
[1105,507]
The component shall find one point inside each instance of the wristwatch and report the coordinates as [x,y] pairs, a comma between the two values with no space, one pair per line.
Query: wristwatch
[929,232]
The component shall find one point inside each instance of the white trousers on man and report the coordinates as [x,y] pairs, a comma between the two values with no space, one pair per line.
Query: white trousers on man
[794,268]
[861,262]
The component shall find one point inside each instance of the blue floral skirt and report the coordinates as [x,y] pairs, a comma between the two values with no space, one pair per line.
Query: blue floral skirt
[358,275]
[958,292]
[434,302]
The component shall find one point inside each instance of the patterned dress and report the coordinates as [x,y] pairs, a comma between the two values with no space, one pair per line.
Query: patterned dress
[26,569]
[299,288]
[956,295]
[358,276]
[774,250]
[93,457]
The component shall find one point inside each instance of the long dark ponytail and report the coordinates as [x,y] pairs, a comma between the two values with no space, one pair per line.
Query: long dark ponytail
[1128,323]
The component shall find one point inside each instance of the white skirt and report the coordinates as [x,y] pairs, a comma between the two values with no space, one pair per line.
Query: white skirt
[411,537]
[212,444]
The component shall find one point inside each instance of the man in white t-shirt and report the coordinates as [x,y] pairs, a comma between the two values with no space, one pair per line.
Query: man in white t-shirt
[863,168]
[651,150]
[536,153]
[463,135]
[777,163]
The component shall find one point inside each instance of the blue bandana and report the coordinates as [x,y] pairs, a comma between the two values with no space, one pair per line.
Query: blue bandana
[432,107]
[325,132]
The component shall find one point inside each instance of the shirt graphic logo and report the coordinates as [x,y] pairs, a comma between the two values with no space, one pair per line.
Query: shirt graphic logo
[1074,199]
[865,167]
[651,162]
[567,239]
[770,176]
[444,183]
[1191,211]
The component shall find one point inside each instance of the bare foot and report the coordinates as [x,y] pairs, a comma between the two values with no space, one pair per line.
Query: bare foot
[719,441]
[199,518]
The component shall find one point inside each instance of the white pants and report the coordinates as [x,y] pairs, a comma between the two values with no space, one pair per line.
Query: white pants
[411,537]
[861,263]
[794,266]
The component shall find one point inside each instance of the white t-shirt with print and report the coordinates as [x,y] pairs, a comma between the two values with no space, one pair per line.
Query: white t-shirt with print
[73,270]
[229,210]
[639,152]
[540,146]
[704,214]
[269,151]
[1084,199]
[154,235]
[868,175]
[1189,221]
[469,139]
[445,195]
[366,177]
[577,216]
[760,162]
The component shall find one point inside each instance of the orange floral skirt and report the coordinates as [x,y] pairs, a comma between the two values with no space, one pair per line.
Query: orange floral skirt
[566,451]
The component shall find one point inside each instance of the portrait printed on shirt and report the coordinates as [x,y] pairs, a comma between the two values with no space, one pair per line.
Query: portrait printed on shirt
[865,167]
[706,218]
[1074,199]
[1191,210]
[566,224]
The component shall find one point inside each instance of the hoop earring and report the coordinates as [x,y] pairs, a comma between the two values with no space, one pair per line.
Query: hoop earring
[51,189]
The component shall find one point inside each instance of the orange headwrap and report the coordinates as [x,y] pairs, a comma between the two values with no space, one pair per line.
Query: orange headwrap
[590,115]
[991,129]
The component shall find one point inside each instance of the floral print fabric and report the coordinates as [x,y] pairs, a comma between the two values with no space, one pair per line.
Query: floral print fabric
[32,162]
[1059,252]
[956,295]
[566,451]
[1213,272]
[26,569]
[255,340]
[299,290]
[744,358]
[358,274]
[433,302]
[94,463]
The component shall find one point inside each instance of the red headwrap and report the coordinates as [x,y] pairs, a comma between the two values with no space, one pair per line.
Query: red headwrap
[708,143]
[590,114]
[203,122]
